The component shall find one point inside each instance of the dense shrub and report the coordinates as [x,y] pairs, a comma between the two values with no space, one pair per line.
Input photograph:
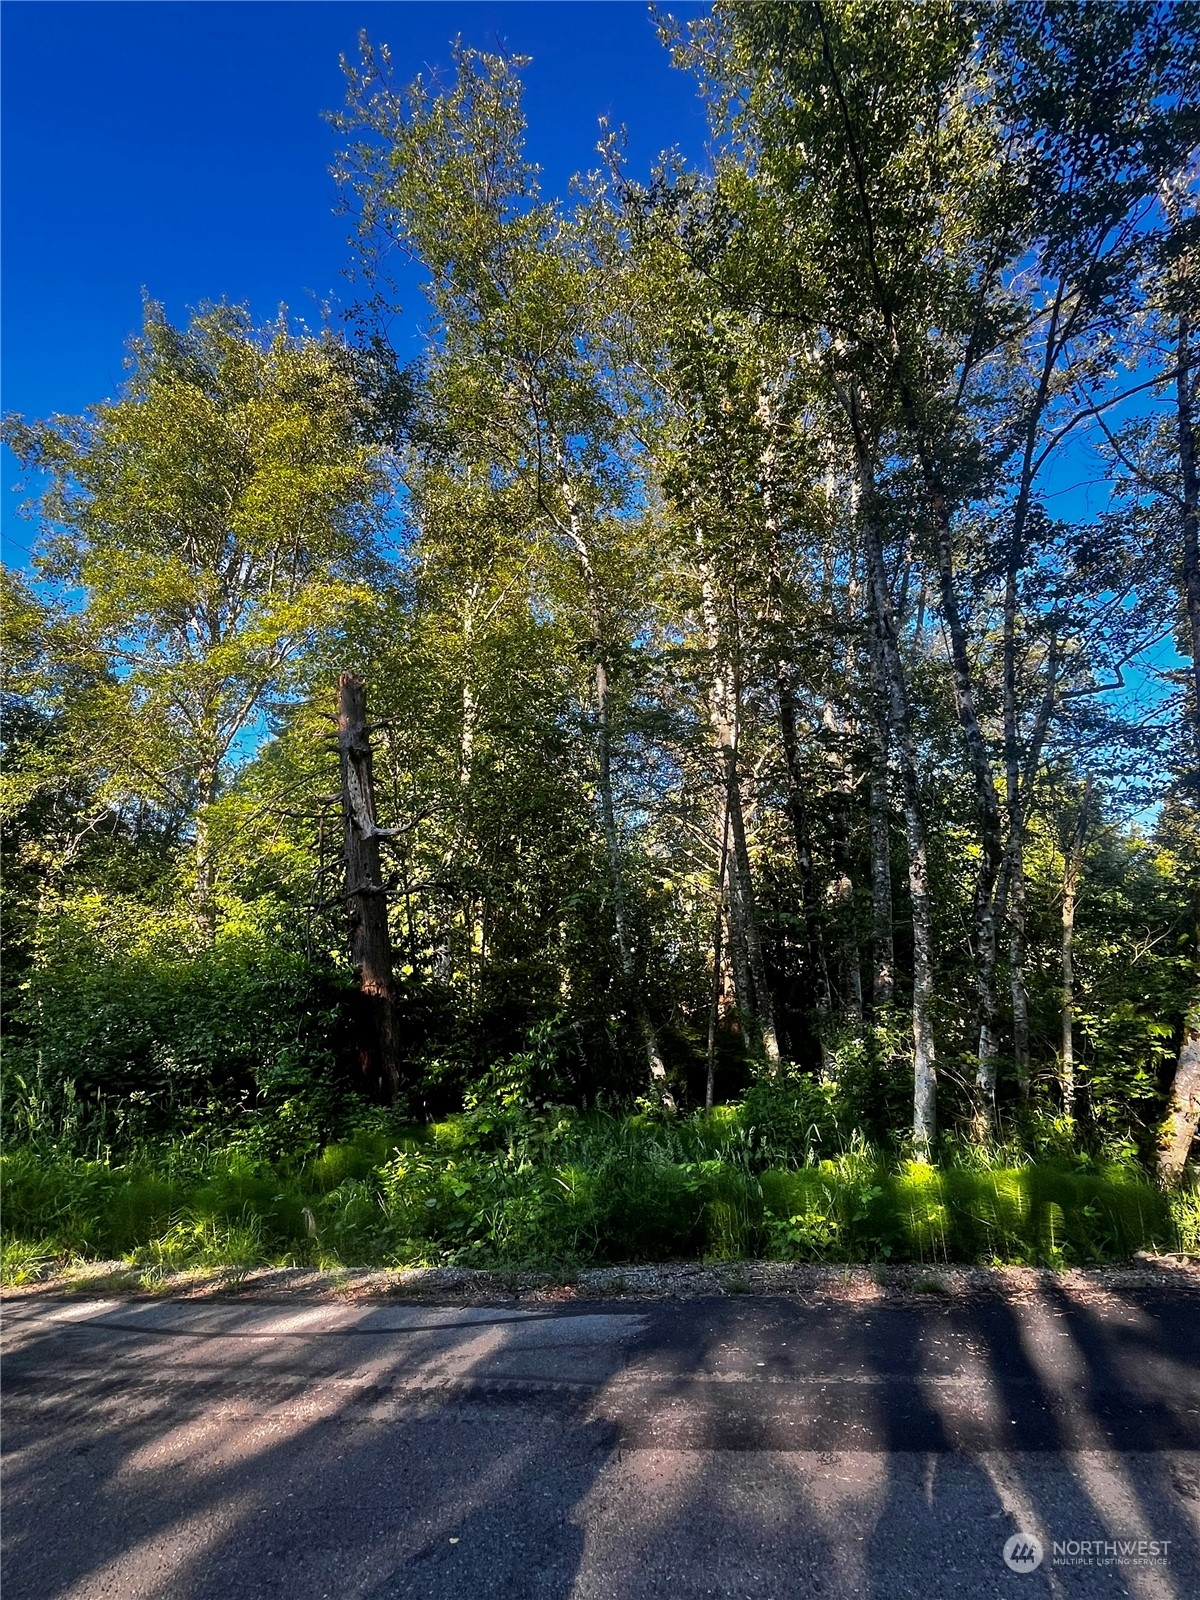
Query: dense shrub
[120,1037]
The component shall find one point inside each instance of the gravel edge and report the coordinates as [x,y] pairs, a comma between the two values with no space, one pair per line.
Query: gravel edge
[1174,1275]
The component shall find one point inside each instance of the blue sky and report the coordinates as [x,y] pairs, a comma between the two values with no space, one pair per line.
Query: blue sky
[181,148]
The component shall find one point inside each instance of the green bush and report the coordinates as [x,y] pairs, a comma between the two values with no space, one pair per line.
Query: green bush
[118,1039]
[785,1115]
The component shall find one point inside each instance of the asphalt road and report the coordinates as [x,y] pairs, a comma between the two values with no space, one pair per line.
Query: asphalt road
[751,1448]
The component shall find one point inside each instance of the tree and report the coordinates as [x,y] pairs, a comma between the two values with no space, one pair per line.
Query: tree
[210,522]
[439,170]
[1184,281]
[950,212]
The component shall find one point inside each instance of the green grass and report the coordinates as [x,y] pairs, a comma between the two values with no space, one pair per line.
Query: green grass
[568,1190]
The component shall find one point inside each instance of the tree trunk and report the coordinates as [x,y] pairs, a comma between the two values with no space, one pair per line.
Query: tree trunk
[990,845]
[1185,1095]
[1016,971]
[1072,867]
[739,959]
[762,1008]
[714,1015]
[883,958]
[1018,786]
[366,897]
[612,843]
[608,816]
[205,902]
[924,1052]
[443,956]
[839,891]
[1185,1105]
[985,787]
[814,938]
[723,716]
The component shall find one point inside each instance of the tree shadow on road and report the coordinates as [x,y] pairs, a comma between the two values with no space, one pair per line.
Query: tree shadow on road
[755,1448]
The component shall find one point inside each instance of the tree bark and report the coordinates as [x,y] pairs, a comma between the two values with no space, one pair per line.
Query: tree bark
[814,939]
[990,842]
[1011,887]
[366,896]
[1185,1105]
[985,787]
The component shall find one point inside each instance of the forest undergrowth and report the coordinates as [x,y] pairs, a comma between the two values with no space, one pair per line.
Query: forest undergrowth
[559,1189]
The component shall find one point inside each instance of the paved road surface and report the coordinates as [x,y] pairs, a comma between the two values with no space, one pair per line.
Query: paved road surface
[750,1448]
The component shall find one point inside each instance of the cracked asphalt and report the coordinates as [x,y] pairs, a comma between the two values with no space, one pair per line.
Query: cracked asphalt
[742,1447]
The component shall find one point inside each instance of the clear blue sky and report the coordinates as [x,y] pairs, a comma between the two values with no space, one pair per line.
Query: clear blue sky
[181,148]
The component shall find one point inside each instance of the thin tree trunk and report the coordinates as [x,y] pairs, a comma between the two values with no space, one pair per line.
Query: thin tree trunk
[924,1051]
[985,787]
[1072,867]
[723,715]
[205,902]
[714,1015]
[366,897]
[1016,790]
[818,969]
[1010,889]
[1185,1094]
[612,841]
[814,937]
[883,958]
[763,1009]
[839,891]
[739,959]
[443,962]
[990,842]
[990,839]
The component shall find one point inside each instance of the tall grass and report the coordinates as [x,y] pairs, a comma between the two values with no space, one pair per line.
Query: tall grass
[568,1189]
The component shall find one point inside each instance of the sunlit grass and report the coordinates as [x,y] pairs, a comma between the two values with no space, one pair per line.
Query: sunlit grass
[566,1190]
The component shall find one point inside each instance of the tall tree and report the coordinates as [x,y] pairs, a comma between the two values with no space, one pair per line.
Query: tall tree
[213,520]
[439,171]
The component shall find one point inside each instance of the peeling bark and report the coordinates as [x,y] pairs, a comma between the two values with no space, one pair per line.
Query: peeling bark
[366,896]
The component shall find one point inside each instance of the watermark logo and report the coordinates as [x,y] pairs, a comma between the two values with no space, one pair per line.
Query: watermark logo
[1111,1552]
[1023,1552]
